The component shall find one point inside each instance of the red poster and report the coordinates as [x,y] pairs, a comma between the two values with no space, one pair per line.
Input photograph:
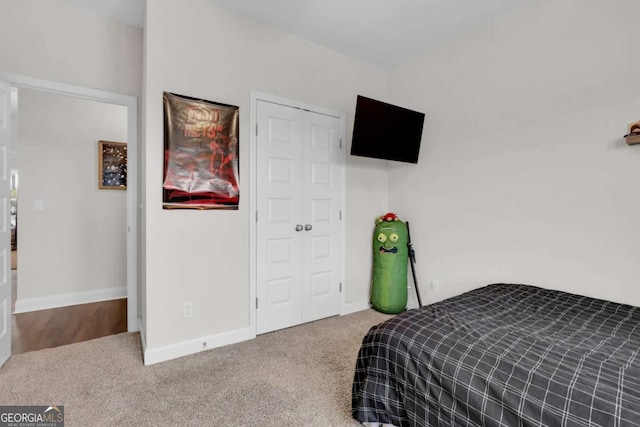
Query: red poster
[200,154]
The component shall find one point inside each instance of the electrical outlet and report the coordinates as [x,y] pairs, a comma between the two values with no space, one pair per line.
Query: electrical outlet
[435,285]
[188,309]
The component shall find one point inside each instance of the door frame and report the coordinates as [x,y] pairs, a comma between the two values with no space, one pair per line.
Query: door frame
[131,103]
[253,194]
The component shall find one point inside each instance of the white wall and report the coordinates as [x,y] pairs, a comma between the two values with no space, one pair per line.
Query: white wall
[201,50]
[523,175]
[77,243]
[55,41]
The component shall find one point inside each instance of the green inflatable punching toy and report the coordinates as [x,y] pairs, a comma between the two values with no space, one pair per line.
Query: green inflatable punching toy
[390,257]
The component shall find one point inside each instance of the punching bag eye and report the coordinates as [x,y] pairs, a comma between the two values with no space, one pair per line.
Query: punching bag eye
[382,238]
[394,237]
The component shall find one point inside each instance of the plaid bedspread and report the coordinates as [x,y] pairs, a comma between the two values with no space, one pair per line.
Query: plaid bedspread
[503,355]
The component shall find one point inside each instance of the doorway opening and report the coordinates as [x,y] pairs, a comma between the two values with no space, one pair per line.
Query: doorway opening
[61,222]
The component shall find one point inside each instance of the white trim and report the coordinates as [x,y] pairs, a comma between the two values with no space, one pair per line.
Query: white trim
[131,102]
[132,215]
[253,203]
[67,89]
[25,305]
[353,307]
[196,345]
[255,96]
[253,185]
[343,210]
[143,338]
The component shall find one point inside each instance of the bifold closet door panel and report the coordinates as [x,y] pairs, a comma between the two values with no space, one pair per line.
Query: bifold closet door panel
[321,195]
[279,244]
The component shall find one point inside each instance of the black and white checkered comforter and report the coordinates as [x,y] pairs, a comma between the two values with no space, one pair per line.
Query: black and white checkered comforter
[503,355]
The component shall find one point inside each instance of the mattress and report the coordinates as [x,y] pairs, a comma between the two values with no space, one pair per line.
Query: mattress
[503,355]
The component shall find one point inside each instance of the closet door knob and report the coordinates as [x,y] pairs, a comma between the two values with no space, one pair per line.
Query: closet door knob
[308,227]
[299,227]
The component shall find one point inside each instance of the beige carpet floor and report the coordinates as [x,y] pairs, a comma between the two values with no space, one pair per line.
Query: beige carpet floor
[299,376]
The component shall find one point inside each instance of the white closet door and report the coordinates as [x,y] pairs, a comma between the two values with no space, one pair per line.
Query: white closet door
[5,281]
[279,245]
[321,195]
[298,234]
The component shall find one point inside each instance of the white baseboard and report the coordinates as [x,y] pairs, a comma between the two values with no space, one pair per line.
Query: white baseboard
[164,353]
[196,345]
[25,305]
[352,307]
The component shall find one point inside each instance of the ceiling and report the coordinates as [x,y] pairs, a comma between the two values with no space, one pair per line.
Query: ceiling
[382,32]
[385,33]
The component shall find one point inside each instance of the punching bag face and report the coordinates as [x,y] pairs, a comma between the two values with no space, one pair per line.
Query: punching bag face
[390,257]
[392,238]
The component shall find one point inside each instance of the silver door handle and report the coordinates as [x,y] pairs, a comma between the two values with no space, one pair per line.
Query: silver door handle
[299,227]
[308,227]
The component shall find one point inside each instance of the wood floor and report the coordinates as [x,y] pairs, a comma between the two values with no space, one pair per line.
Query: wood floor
[42,329]
[37,330]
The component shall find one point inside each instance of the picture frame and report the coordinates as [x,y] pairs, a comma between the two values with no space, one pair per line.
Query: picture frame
[112,165]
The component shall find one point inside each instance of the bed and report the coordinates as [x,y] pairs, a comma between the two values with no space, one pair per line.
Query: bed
[503,355]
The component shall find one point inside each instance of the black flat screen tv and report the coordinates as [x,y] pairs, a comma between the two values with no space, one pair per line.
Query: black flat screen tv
[386,131]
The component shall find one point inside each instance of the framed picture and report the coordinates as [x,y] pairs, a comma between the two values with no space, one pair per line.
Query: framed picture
[200,154]
[112,165]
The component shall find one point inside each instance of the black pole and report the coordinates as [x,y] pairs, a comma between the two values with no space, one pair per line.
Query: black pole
[412,260]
